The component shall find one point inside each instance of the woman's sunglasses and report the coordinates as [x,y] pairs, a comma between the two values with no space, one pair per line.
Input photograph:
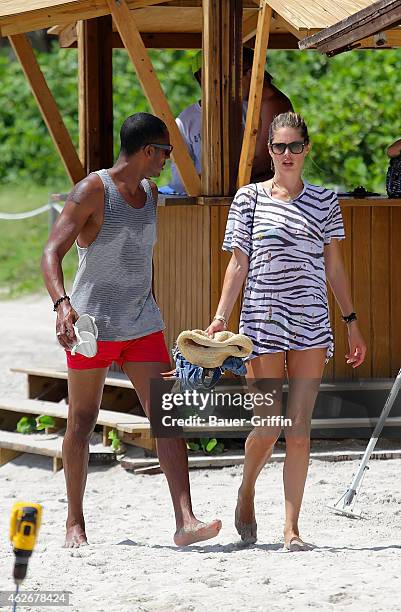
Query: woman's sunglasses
[296,147]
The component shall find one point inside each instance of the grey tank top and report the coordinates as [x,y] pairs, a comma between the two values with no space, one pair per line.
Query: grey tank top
[114,277]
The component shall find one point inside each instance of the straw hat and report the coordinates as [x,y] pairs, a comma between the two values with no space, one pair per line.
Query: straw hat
[197,348]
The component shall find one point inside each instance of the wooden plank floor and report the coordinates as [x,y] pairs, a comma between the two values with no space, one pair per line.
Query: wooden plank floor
[130,423]
[50,445]
[116,379]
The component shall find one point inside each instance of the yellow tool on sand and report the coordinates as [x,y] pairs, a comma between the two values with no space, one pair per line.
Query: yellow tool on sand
[24,528]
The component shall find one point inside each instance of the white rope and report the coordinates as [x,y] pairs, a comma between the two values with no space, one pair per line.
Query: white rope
[31,213]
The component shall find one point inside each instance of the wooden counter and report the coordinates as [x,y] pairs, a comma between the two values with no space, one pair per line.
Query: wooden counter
[190,267]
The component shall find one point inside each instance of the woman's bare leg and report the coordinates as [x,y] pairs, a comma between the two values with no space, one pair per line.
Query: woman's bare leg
[260,442]
[305,369]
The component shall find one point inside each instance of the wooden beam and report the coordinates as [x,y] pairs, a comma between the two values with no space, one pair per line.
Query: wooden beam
[34,15]
[68,35]
[56,30]
[375,18]
[95,93]
[231,83]
[255,95]
[7,454]
[158,40]
[166,40]
[212,183]
[81,92]
[129,33]
[190,40]
[392,40]
[249,27]
[48,107]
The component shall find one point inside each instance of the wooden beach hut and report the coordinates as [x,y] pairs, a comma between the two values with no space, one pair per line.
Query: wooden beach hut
[189,264]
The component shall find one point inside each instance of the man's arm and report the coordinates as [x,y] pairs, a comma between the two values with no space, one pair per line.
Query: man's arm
[82,202]
[395,149]
[176,182]
[271,106]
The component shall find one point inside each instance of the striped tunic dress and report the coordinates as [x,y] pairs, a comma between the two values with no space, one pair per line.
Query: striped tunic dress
[285,299]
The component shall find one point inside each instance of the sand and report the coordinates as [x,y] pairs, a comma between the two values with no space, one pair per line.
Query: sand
[132,564]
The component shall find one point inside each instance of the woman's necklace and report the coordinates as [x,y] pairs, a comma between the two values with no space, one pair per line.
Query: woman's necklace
[288,195]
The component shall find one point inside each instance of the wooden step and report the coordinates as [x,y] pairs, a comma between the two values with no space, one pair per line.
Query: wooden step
[119,379]
[337,423]
[115,379]
[151,466]
[12,444]
[129,423]
[51,384]
[131,428]
[134,424]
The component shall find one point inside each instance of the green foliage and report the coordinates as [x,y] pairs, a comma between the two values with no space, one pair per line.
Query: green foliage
[22,242]
[115,440]
[44,422]
[350,105]
[26,425]
[26,149]
[209,446]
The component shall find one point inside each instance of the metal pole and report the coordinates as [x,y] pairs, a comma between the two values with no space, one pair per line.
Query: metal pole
[348,498]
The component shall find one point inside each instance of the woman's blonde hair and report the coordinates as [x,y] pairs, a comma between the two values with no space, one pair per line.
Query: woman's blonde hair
[289,120]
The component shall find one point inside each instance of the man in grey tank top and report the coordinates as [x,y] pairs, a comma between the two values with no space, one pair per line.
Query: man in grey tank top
[111,215]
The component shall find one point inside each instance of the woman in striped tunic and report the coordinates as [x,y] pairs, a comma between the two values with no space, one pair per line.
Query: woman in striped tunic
[284,237]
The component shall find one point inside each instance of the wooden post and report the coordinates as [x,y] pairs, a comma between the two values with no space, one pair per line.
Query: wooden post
[221,95]
[57,464]
[95,93]
[212,175]
[255,95]
[7,454]
[47,106]
[231,61]
[132,40]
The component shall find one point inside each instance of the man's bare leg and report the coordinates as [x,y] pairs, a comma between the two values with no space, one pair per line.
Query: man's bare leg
[258,446]
[173,460]
[85,388]
[305,369]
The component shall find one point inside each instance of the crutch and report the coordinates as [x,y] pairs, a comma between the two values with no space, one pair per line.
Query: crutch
[345,505]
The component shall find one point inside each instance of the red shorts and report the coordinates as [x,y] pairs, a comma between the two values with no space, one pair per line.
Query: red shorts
[151,348]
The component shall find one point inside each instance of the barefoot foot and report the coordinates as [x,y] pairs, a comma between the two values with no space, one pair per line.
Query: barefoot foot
[245,522]
[196,532]
[293,543]
[75,537]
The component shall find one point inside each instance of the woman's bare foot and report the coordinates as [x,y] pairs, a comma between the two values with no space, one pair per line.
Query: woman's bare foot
[293,543]
[245,522]
[196,531]
[75,536]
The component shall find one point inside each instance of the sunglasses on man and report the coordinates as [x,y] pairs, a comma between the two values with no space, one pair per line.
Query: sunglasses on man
[296,147]
[164,147]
